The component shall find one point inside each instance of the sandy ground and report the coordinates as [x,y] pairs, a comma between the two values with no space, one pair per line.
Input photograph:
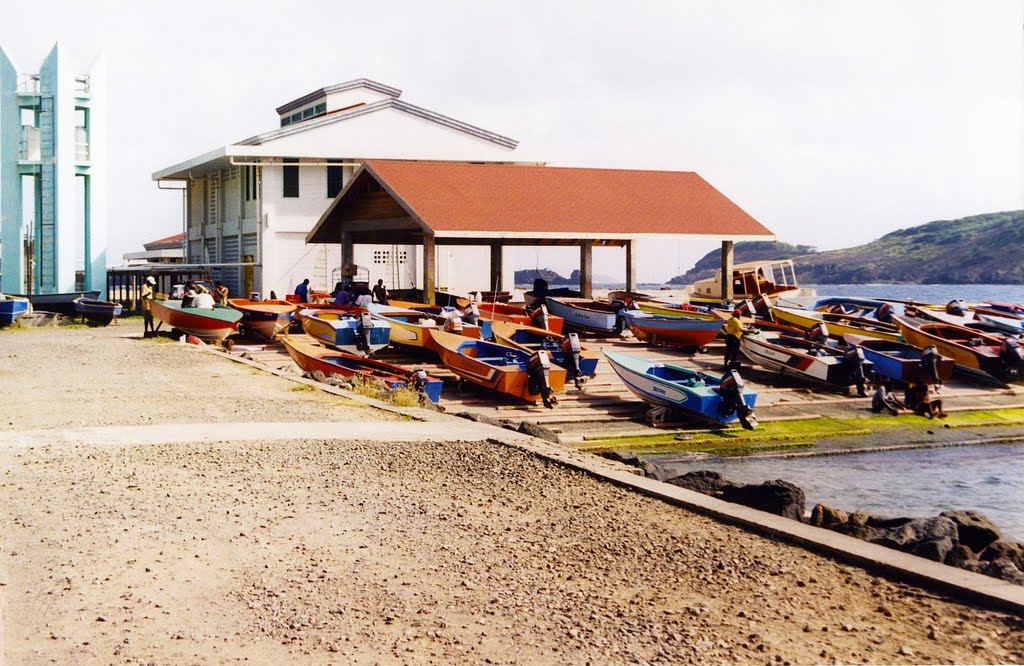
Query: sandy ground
[329,551]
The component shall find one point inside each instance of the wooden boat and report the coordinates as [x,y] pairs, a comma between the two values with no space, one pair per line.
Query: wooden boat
[681,331]
[352,310]
[579,364]
[97,312]
[628,296]
[515,372]
[11,309]
[583,314]
[900,361]
[62,303]
[212,324]
[447,312]
[409,327]
[264,318]
[664,309]
[750,280]
[718,399]
[976,353]
[860,307]
[517,315]
[346,332]
[1006,309]
[1004,324]
[804,359]
[838,324]
[312,358]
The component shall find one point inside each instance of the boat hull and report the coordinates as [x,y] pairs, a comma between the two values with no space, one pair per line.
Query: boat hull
[62,303]
[12,309]
[516,315]
[531,339]
[899,361]
[96,312]
[407,329]
[341,331]
[796,358]
[265,319]
[679,331]
[211,324]
[953,341]
[838,325]
[586,315]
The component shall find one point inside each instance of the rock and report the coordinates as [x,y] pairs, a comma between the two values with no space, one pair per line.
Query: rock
[1004,548]
[823,515]
[539,431]
[702,481]
[959,555]
[779,497]
[974,530]
[933,549]
[933,538]
[1002,568]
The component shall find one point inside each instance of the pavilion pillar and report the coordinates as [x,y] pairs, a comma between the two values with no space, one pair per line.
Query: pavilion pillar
[727,262]
[429,267]
[348,255]
[497,266]
[631,265]
[587,268]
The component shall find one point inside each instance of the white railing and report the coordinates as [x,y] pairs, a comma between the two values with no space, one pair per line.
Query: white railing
[28,84]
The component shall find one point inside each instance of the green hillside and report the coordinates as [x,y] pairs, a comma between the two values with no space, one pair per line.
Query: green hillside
[742,252]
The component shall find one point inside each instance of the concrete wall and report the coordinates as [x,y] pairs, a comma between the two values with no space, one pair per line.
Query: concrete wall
[12,265]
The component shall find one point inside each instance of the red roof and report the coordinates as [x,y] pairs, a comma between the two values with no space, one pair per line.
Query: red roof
[462,197]
[170,240]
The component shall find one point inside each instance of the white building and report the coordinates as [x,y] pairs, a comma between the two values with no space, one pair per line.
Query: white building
[250,204]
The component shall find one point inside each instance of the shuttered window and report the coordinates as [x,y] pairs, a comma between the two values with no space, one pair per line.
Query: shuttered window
[335,178]
[291,178]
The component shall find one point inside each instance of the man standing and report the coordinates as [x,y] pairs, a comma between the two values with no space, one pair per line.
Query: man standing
[380,293]
[733,332]
[302,291]
[220,294]
[147,307]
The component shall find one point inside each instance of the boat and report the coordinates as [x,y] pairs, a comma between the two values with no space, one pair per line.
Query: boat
[449,312]
[352,310]
[264,318]
[806,360]
[679,310]
[750,280]
[12,309]
[565,351]
[849,305]
[346,332]
[1009,309]
[97,312]
[628,296]
[976,353]
[838,324]
[314,358]
[679,331]
[409,327]
[903,362]
[529,376]
[718,399]
[61,303]
[540,292]
[1004,324]
[584,314]
[211,324]
[517,315]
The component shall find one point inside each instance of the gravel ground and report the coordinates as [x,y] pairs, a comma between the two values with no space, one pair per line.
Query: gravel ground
[376,552]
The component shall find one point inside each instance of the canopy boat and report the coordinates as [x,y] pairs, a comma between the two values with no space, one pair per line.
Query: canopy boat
[516,315]
[838,324]
[214,324]
[750,280]
[806,360]
[903,362]
[525,375]
[11,309]
[718,399]
[344,331]
[448,312]
[312,358]
[264,318]
[96,312]
[583,314]
[579,363]
[679,331]
[409,327]
[976,353]
[62,303]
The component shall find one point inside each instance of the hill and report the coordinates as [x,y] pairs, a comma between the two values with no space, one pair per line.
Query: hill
[742,252]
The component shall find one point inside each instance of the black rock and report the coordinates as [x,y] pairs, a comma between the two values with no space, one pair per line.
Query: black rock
[1004,549]
[779,497]
[974,530]
[1001,568]
[702,481]
[960,555]
[933,549]
[829,517]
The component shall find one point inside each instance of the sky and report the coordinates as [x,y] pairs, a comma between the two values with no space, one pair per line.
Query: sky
[832,123]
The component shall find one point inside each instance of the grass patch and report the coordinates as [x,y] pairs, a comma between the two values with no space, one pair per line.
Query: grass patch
[302,388]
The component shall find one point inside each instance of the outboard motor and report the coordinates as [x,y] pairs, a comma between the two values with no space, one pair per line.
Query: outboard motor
[363,327]
[853,359]
[956,307]
[539,317]
[763,307]
[883,313]
[572,349]
[819,334]
[538,370]
[731,390]
[419,380]
[453,325]
[1012,356]
[746,307]
[471,314]
[930,359]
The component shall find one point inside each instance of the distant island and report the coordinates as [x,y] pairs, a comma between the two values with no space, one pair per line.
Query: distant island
[982,249]
[525,278]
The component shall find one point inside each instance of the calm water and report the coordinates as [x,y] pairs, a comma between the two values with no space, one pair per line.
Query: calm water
[916,482]
[926,293]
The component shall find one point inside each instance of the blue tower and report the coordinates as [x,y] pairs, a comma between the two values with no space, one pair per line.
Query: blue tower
[52,178]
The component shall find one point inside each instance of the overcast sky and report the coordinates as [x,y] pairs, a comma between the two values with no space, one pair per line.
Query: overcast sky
[832,123]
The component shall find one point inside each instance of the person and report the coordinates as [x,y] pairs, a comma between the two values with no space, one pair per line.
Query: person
[361,294]
[380,293]
[204,299]
[884,400]
[200,288]
[733,332]
[189,300]
[920,398]
[302,291]
[147,307]
[342,295]
[220,293]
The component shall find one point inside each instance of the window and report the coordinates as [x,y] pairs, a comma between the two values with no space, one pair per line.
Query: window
[384,256]
[297,116]
[290,176]
[335,179]
[307,113]
[251,187]
[286,120]
[320,108]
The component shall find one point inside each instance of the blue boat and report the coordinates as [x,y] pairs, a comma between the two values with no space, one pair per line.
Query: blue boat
[448,312]
[903,362]
[559,348]
[97,312]
[718,399]
[346,332]
[11,309]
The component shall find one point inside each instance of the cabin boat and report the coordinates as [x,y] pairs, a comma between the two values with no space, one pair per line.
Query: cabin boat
[587,315]
[679,331]
[265,319]
[97,312]
[410,327]
[803,359]
[900,361]
[341,330]
[838,324]
[579,362]
[976,353]
[314,358]
[12,309]
[718,399]
[750,280]
[210,324]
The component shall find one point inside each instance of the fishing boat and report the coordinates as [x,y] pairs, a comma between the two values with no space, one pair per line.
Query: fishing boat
[537,317]
[97,312]
[750,280]
[588,315]
[976,353]
[529,376]
[449,312]
[312,358]
[838,324]
[409,327]
[1009,309]
[860,307]
[806,360]
[680,331]
[212,324]
[903,362]
[718,399]
[565,351]
[1004,324]
[665,309]
[264,318]
[540,292]
[346,332]
[351,310]
[11,309]
[628,296]
[62,303]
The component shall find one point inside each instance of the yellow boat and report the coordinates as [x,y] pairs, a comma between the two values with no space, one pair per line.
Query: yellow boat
[411,327]
[838,324]
[670,310]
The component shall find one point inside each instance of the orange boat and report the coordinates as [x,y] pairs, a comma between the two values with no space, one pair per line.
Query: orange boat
[264,318]
[517,315]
